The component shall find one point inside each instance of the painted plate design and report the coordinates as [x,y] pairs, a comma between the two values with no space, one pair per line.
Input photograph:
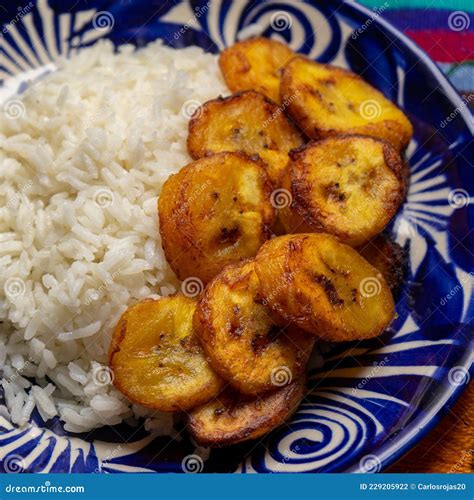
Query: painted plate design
[371,401]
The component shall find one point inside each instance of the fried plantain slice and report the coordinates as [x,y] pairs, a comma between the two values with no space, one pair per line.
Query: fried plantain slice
[157,360]
[242,341]
[232,418]
[406,174]
[326,100]
[324,287]
[214,212]
[247,122]
[387,256]
[348,186]
[255,64]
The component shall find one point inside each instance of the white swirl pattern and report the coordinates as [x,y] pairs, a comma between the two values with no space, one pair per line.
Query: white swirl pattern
[261,15]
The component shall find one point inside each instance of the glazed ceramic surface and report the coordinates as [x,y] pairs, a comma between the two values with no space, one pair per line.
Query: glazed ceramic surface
[373,400]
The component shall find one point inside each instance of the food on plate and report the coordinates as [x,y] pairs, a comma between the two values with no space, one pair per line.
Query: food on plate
[80,239]
[387,256]
[231,417]
[81,170]
[255,64]
[405,172]
[157,360]
[247,122]
[214,212]
[324,287]
[348,186]
[244,344]
[326,100]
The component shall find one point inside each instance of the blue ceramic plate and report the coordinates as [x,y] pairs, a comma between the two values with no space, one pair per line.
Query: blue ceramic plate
[372,401]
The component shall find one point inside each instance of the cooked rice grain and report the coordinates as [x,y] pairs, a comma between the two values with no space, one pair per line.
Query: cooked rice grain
[80,174]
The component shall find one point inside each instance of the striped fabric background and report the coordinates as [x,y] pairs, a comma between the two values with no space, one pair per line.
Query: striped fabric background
[443,28]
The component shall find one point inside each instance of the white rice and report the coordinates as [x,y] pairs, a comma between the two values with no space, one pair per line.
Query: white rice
[81,170]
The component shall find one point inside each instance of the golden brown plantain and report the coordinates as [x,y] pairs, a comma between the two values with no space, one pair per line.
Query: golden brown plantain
[247,122]
[348,186]
[324,287]
[326,100]
[255,64]
[214,212]
[232,417]
[385,255]
[157,360]
[241,339]
[406,174]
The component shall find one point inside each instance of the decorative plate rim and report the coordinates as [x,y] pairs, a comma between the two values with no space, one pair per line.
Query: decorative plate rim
[452,93]
[389,453]
[391,450]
